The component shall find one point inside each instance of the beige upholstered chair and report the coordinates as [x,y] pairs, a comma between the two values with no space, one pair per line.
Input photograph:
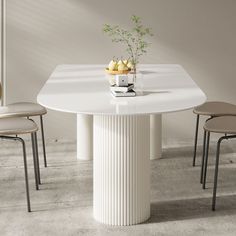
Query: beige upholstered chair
[221,125]
[210,109]
[26,109]
[11,128]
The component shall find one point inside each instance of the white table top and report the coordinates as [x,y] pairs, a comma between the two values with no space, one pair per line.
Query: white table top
[85,89]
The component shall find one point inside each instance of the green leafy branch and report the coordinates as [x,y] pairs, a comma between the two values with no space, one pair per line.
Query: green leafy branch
[134,39]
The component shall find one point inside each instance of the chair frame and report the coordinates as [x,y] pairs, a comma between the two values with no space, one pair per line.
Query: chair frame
[43,138]
[43,141]
[195,140]
[205,162]
[35,162]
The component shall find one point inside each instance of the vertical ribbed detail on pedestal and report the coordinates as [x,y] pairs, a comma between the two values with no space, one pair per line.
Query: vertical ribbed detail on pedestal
[121,169]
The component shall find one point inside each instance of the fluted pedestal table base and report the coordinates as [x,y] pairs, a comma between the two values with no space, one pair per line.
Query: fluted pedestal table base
[121,169]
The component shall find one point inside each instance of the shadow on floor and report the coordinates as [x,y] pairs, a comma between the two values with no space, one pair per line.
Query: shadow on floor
[187,151]
[191,208]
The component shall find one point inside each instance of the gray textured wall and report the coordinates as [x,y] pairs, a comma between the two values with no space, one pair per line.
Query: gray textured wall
[198,34]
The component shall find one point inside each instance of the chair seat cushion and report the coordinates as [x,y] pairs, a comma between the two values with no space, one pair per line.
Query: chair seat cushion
[215,108]
[222,124]
[13,126]
[22,109]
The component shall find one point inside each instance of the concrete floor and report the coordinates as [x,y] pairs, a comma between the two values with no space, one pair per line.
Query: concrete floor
[63,205]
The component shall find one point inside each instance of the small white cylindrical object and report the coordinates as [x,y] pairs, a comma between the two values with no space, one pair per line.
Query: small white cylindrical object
[155,136]
[121,169]
[84,137]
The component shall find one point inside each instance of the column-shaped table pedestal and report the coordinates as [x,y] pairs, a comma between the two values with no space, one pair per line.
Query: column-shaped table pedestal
[155,136]
[121,169]
[84,137]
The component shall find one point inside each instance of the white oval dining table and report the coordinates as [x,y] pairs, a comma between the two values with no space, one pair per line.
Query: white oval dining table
[125,131]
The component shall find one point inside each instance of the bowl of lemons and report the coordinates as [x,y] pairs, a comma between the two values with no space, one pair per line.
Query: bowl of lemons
[119,67]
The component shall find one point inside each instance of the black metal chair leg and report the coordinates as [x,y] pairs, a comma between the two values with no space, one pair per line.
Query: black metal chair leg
[216,174]
[37,156]
[195,141]
[26,175]
[206,160]
[35,163]
[203,156]
[43,141]
[25,167]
